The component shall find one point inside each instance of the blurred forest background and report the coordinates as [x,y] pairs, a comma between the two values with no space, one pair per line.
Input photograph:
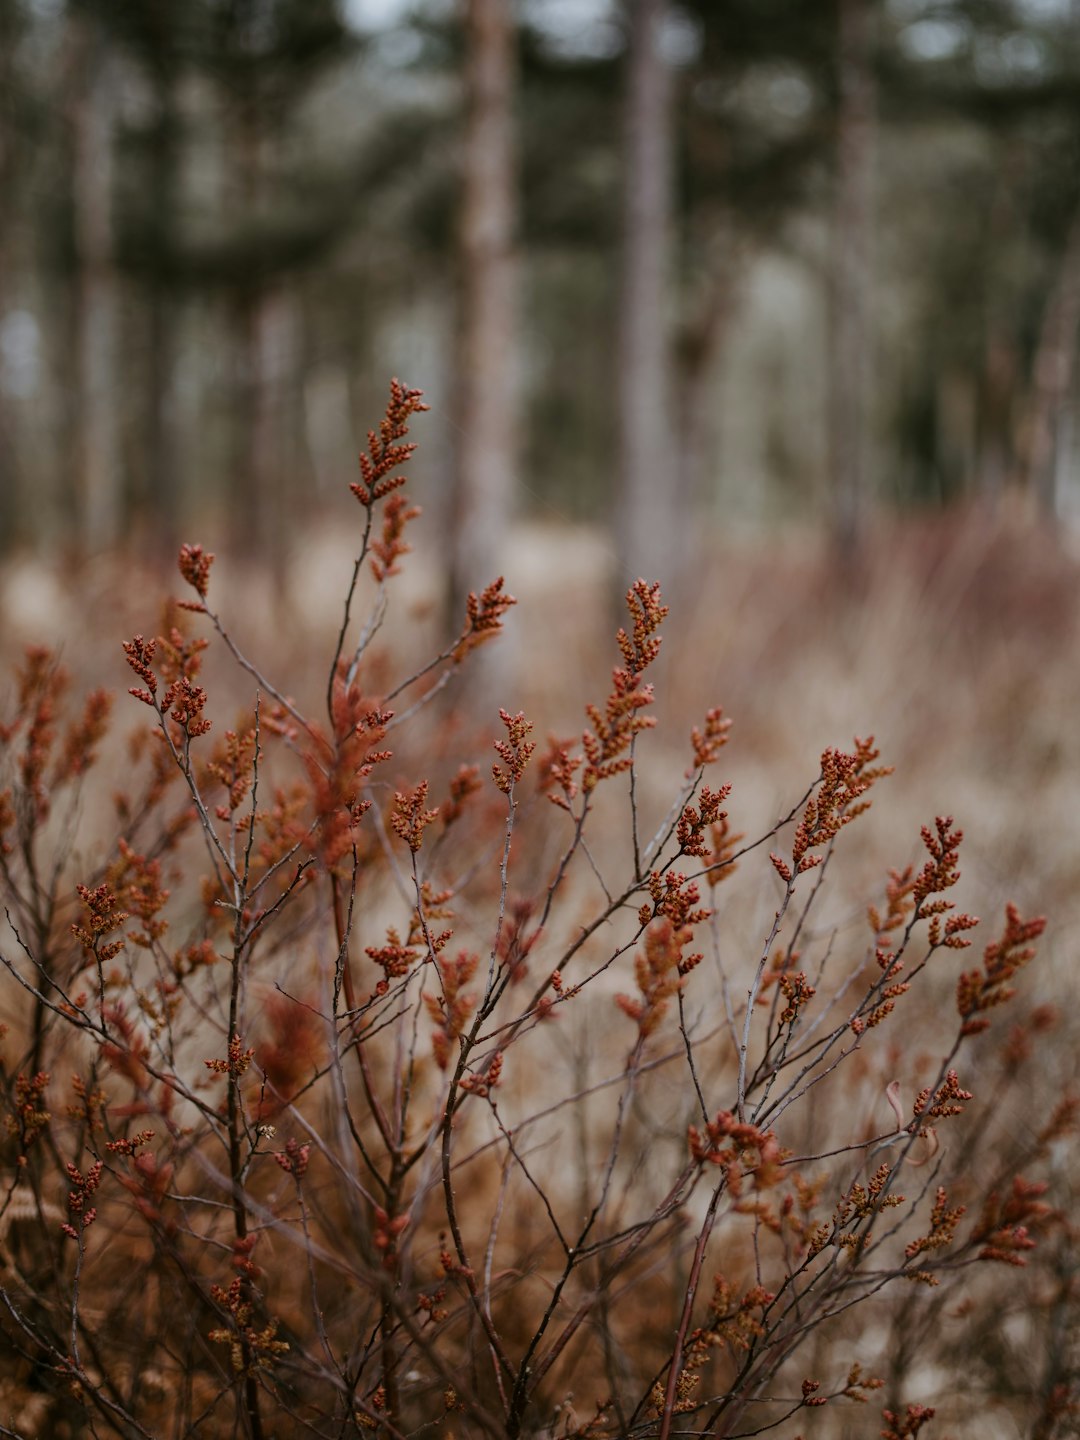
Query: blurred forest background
[777,301]
[746,260]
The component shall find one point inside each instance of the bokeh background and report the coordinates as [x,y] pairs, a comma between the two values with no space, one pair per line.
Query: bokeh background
[754,262]
[775,300]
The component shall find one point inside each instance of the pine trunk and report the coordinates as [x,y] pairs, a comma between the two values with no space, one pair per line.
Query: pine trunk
[486,359]
[851,360]
[95,305]
[647,521]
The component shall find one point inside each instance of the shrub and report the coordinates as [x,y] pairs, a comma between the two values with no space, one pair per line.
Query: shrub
[357,1090]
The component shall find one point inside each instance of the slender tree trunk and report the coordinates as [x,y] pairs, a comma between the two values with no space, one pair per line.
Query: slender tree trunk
[12,510]
[647,522]
[260,321]
[851,359]
[274,392]
[997,384]
[95,317]
[1053,375]
[486,358]
[11,516]
[247,519]
[159,485]
[263,345]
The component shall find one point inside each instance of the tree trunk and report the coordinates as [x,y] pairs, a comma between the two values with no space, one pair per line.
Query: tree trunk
[1053,375]
[95,309]
[997,382]
[851,359]
[264,345]
[159,497]
[647,522]
[486,358]
[276,340]
[11,516]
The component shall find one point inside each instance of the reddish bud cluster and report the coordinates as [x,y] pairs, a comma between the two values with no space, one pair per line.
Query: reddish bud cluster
[243,1245]
[30,1118]
[291,1051]
[138,879]
[1005,1224]
[740,1149]
[941,871]
[483,1084]
[82,1187]
[898,906]
[89,1106]
[657,972]
[557,769]
[483,617]
[985,989]
[391,545]
[696,820]
[797,991]
[614,728]
[647,614]
[232,766]
[140,654]
[450,1011]
[449,1264]
[431,1304]
[515,751]
[731,1324]
[102,917]
[294,1158]
[942,1232]
[810,1395]
[857,1384]
[238,1061]
[394,958]
[903,1427]
[709,741]
[336,790]
[464,784]
[863,1202]
[385,452]
[385,1234]
[126,1049]
[131,1146]
[515,941]
[409,818]
[676,897]
[248,1347]
[40,770]
[185,702]
[149,1185]
[720,858]
[82,739]
[194,566]
[836,802]
[947,1099]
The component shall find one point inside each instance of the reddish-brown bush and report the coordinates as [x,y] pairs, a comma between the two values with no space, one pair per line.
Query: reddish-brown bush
[354,1092]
